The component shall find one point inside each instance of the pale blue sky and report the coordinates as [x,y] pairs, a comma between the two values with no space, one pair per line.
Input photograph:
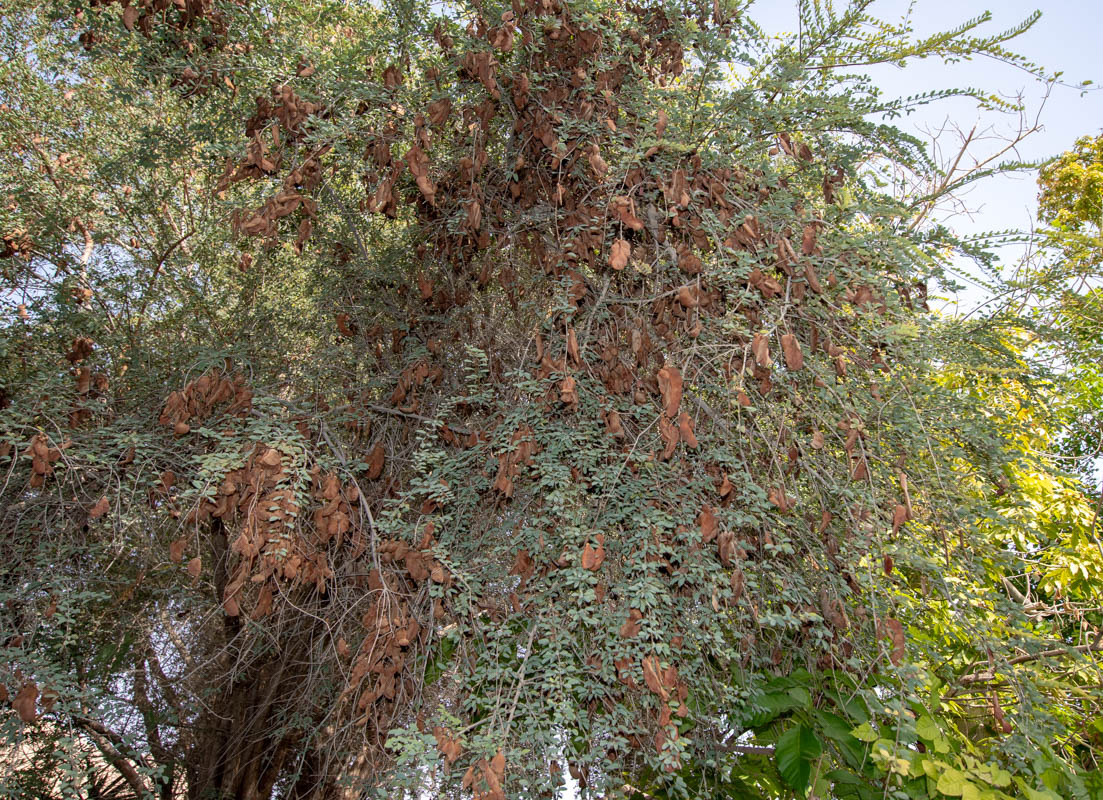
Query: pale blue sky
[1068,38]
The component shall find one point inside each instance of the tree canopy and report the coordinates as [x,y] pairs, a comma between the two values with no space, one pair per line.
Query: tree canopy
[517,400]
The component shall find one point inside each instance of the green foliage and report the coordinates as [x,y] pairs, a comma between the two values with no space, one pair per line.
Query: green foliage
[796,752]
[1072,188]
[379,495]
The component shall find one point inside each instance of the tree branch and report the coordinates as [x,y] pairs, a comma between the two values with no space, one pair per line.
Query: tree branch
[106,741]
[990,675]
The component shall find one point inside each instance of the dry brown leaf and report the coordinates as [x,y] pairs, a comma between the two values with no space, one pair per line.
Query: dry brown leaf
[176,550]
[808,239]
[597,163]
[572,346]
[439,111]
[592,557]
[707,520]
[907,495]
[625,210]
[894,630]
[391,77]
[631,627]
[652,676]
[670,436]
[780,499]
[689,296]
[619,254]
[474,214]
[419,168]
[271,458]
[738,583]
[80,350]
[264,602]
[425,286]
[613,425]
[726,547]
[899,517]
[195,567]
[685,430]
[997,712]
[345,326]
[670,387]
[568,392]
[760,348]
[100,508]
[376,458]
[231,607]
[448,745]
[832,611]
[415,565]
[794,357]
[24,701]
[523,565]
[812,278]
[661,123]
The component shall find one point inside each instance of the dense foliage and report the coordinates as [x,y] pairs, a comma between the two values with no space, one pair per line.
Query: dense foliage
[457,399]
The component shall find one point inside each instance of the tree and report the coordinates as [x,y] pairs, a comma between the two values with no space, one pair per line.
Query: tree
[484,397]
[1064,287]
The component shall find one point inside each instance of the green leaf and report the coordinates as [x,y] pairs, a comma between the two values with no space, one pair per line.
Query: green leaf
[773,705]
[864,733]
[927,728]
[838,731]
[797,748]
[969,791]
[439,662]
[952,782]
[853,706]
[1034,794]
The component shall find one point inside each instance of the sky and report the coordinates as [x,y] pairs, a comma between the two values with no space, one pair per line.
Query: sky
[1066,39]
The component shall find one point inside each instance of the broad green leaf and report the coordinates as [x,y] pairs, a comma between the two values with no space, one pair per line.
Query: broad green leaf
[1034,794]
[864,733]
[838,731]
[797,748]
[773,705]
[927,728]
[952,782]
